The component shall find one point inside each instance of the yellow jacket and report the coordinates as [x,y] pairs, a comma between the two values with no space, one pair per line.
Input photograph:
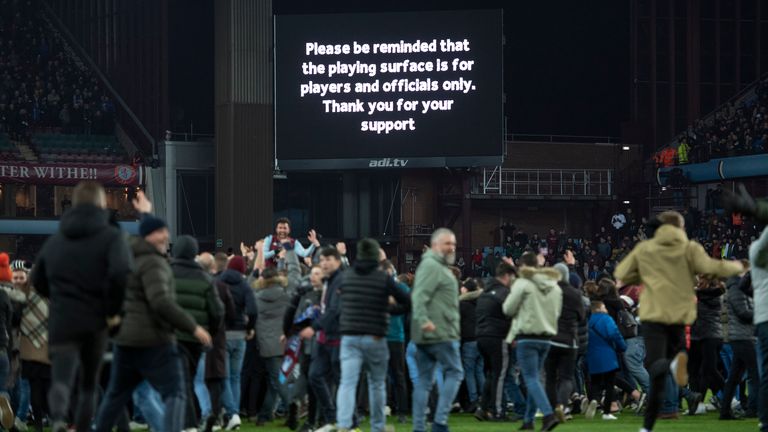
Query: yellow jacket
[667,265]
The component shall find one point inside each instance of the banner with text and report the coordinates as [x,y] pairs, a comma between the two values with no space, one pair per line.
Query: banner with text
[71,174]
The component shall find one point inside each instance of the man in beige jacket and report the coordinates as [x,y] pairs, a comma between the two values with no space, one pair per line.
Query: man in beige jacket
[667,266]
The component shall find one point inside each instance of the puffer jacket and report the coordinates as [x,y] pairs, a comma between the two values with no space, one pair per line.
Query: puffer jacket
[151,311]
[740,309]
[534,304]
[708,324]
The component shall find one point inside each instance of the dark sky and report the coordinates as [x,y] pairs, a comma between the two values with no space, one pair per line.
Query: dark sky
[566,63]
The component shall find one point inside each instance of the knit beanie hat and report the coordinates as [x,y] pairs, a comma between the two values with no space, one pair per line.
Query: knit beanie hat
[237,263]
[5,267]
[368,250]
[150,224]
[564,272]
[19,265]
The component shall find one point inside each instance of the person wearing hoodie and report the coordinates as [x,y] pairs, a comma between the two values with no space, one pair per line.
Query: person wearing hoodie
[435,329]
[741,337]
[492,329]
[273,295]
[240,328]
[534,304]
[145,344]
[667,265]
[196,294]
[6,325]
[602,361]
[561,359]
[471,359]
[86,296]
[367,296]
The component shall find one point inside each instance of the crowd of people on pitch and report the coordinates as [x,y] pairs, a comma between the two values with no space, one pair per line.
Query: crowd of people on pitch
[734,131]
[195,341]
[42,86]
[722,235]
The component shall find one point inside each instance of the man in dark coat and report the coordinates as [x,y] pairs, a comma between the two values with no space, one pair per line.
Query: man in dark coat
[196,294]
[83,269]
[491,331]
[145,346]
[561,359]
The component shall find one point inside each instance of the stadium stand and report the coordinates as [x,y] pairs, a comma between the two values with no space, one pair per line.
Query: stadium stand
[736,129]
[52,108]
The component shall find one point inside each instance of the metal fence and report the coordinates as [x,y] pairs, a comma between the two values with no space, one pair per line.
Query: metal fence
[545,182]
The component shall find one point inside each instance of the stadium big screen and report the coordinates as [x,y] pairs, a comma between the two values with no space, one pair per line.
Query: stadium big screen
[389,90]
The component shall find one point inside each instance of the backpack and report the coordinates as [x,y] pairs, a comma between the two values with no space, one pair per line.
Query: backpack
[627,324]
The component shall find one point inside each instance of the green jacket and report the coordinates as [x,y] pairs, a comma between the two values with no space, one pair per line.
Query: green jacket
[196,294]
[435,298]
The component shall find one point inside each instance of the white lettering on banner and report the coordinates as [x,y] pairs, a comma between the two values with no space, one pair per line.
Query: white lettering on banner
[419,76]
[119,174]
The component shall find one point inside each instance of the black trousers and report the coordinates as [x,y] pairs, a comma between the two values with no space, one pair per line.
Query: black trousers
[39,377]
[85,356]
[190,357]
[560,369]
[215,389]
[496,354]
[306,360]
[703,366]
[253,380]
[398,391]
[603,382]
[744,359]
[662,343]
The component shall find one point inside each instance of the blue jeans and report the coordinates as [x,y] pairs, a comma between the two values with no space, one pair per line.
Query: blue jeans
[201,391]
[413,368]
[512,390]
[161,366]
[531,355]
[149,403]
[275,387]
[230,398]
[634,358]
[323,374]
[428,358]
[762,366]
[358,353]
[671,396]
[21,395]
[474,374]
